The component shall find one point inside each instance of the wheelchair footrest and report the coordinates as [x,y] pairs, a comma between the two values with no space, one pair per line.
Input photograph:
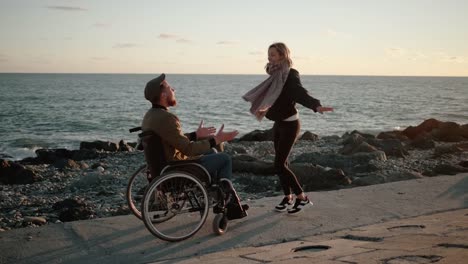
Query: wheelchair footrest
[235,211]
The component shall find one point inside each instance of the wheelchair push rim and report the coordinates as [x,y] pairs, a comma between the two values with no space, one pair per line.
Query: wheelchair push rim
[175,206]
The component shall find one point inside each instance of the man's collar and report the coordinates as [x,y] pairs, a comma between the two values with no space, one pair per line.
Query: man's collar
[159,106]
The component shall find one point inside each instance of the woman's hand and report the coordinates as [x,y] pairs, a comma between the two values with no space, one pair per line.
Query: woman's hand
[204,132]
[322,109]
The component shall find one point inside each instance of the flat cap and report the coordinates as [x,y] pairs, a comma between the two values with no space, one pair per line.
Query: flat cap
[153,87]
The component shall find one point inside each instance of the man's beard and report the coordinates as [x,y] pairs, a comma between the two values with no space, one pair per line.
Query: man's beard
[172,102]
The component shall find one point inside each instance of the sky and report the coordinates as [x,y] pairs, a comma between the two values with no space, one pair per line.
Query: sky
[332,37]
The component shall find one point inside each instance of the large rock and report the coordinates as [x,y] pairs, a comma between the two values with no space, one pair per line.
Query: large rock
[318,178]
[448,169]
[66,164]
[426,126]
[14,173]
[124,146]
[246,163]
[391,147]
[440,131]
[357,142]
[392,135]
[309,136]
[258,135]
[443,150]
[338,161]
[100,145]
[357,148]
[449,132]
[51,156]
[72,210]
[423,141]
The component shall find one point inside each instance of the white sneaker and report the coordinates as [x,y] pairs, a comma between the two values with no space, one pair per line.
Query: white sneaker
[284,205]
[300,205]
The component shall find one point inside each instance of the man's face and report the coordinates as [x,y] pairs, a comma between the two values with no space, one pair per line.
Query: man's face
[168,94]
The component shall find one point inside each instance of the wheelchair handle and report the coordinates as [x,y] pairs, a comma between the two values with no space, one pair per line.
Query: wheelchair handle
[135,129]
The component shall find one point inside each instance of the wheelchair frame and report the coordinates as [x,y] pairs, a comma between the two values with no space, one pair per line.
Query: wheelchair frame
[175,204]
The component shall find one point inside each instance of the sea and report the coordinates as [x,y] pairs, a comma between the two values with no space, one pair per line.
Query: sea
[61,110]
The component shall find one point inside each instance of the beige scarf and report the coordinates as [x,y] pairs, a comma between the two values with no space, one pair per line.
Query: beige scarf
[265,94]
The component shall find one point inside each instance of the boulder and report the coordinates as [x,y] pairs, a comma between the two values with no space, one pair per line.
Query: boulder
[124,146]
[100,145]
[246,163]
[391,147]
[50,156]
[66,164]
[309,136]
[345,162]
[258,135]
[449,132]
[426,126]
[14,173]
[392,135]
[423,141]
[318,178]
[442,150]
[72,210]
[449,169]
[357,148]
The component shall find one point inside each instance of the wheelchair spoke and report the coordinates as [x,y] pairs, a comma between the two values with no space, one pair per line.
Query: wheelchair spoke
[175,206]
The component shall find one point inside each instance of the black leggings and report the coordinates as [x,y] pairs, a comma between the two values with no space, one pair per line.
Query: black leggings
[284,137]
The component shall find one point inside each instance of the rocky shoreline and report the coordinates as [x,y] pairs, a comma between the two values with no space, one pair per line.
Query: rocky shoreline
[62,185]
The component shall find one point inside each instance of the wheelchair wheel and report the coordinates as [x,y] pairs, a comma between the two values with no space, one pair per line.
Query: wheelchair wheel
[136,189]
[175,206]
[220,224]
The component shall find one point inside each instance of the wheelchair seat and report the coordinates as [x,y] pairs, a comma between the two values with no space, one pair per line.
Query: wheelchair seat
[158,165]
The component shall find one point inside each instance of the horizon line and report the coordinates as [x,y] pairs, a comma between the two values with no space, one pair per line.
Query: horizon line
[347,75]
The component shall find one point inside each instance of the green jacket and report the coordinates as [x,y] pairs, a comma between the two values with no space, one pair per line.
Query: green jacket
[177,145]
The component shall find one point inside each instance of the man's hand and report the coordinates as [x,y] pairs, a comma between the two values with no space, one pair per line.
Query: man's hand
[322,109]
[222,136]
[204,132]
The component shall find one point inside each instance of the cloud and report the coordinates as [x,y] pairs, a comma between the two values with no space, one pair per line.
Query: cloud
[227,42]
[124,45]
[178,39]
[3,58]
[454,59]
[67,8]
[167,36]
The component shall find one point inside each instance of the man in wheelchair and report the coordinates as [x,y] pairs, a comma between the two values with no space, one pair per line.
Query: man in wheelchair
[173,146]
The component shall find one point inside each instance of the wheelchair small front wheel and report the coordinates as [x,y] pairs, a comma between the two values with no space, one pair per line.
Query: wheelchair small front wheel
[220,224]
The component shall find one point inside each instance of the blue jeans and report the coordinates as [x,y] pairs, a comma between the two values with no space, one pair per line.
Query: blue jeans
[219,165]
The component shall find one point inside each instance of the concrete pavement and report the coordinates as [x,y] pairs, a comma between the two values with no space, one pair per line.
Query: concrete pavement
[423,219]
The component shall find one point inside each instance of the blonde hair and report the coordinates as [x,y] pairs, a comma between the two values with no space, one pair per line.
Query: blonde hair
[283,50]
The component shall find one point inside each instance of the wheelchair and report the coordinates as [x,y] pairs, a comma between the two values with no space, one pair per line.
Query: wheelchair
[174,204]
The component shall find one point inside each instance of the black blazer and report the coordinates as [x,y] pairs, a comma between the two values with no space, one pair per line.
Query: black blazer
[285,105]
